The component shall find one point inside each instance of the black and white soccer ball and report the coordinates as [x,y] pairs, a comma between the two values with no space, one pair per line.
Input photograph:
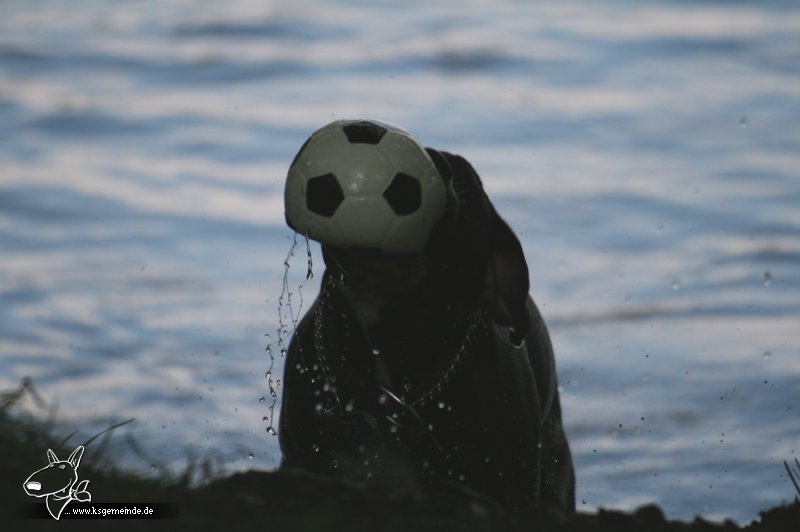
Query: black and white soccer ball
[365,184]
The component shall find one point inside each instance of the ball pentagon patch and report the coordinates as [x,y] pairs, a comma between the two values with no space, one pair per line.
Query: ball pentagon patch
[366,184]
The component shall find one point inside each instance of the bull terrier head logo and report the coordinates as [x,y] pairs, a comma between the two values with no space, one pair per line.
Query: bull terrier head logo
[58,482]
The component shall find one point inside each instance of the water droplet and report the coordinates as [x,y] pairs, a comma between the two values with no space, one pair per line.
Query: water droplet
[271,431]
[393,429]
[318,408]
[382,398]
[376,351]
[767,279]
[348,407]
[251,456]
[767,355]
[660,228]
[441,404]
[676,283]
[743,122]
[262,399]
[152,467]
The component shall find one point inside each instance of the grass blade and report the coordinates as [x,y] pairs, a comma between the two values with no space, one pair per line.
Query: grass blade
[791,474]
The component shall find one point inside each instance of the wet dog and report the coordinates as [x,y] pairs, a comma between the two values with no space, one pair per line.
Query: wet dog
[433,365]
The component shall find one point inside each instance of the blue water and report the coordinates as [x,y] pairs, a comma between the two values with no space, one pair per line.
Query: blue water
[646,153]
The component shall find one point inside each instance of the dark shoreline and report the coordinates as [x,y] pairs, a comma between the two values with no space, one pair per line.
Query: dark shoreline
[282,500]
[278,501]
[309,503]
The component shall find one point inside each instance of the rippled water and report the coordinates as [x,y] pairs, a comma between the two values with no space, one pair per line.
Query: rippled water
[646,153]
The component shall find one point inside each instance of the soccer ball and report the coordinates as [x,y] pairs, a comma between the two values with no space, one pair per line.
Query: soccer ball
[366,184]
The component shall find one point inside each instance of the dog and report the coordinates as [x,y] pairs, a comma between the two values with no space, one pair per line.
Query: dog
[434,366]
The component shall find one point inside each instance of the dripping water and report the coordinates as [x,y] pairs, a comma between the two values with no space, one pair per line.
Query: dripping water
[309,272]
[288,316]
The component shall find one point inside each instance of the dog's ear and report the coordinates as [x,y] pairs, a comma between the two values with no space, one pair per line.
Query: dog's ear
[441,164]
[506,283]
[484,234]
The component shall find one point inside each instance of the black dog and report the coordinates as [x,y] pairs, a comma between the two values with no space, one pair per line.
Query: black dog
[435,365]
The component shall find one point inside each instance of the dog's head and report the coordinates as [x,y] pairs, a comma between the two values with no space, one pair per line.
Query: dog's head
[449,252]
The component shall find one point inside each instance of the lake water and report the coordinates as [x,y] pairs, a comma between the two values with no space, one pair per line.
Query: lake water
[646,153]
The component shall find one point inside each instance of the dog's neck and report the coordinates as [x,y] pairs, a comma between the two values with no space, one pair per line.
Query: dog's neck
[367,308]
[388,317]
[411,332]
